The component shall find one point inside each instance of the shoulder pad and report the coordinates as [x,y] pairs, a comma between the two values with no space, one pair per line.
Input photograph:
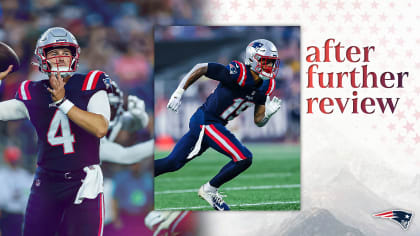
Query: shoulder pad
[92,78]
[23,91]
[237,69]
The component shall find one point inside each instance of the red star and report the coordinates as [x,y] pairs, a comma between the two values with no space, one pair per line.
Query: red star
[417,41]
[417,89]
[279,16]
[400,138]
[348,16]
[251,4]
[391,127]
[331,17]
[400,115]
[400,16]
[374,28]
[322,5]
[356,4]
[365,17]
[226,16]
[261,16]
[400,41]
[383,17]
[339,4]
[356,29]
[409,127]
[304,4]
[391,4]
[287,5]
[384,40]
[234,5]
[374,4]
[392,53]
[409,102]
[391,29]
[409,53]
[417,139]
[216,4]
[339,28]
[409,29]
[295,17]
[409,150]
[269,5]
[417,115]
[313,17]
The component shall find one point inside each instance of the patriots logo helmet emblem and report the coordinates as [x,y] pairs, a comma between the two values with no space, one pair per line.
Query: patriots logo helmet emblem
[403,218]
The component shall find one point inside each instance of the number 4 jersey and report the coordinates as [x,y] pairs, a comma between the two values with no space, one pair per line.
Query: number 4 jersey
[235,93]
[63,145]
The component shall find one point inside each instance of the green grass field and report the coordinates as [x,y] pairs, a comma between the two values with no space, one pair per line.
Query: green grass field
[271,183]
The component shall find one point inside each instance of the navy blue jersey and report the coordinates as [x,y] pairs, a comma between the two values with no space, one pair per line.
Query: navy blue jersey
[63,145]
[235,93]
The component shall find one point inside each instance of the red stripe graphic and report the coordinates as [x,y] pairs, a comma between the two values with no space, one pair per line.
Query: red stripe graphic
[95,80]
[101,213]
[271,87]
[385,214]
[221,145]
[28,95]
[241,74]
[229,142]
[86,80]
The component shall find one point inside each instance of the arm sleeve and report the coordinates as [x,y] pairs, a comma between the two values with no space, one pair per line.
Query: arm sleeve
[13,110]
[217,72]
[99,104]
[113,152]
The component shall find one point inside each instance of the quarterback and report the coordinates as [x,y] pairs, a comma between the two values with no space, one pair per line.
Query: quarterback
[70,113]
[241,85]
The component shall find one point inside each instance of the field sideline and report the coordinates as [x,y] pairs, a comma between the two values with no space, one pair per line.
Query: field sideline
[271,183]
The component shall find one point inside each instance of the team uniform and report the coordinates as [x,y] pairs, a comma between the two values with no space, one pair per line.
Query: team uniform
[235,93]
[66,194]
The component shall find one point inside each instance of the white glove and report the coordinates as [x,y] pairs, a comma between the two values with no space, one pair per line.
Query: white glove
[175,100]
[160,220]
[272,106]
[137,109]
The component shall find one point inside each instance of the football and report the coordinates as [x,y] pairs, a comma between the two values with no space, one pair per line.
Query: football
[8,57]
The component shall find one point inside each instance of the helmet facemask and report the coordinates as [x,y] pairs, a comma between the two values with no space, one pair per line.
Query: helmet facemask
[267,66]
[51,65]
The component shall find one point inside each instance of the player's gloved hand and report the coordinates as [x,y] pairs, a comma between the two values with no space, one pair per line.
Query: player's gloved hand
[175,100]
[272,106]
[160,221]
[137,109]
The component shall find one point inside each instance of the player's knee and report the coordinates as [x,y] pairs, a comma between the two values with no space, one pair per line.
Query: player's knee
[245,163]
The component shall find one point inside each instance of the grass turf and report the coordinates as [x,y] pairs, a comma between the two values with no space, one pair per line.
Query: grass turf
[271,183]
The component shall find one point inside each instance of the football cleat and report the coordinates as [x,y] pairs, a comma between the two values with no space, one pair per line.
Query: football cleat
[214,199]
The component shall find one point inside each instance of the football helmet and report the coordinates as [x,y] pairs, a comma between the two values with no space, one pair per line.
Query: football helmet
[115,96]
[262,56]
[57,37]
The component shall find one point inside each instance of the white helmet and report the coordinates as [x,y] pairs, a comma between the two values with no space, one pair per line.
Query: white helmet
[262,56]
[57,37]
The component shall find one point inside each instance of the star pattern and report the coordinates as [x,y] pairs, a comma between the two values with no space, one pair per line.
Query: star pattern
[390,26]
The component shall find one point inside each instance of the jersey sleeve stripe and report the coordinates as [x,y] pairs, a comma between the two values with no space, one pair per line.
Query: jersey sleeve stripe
[91,80]
[242,74]
[271,87]
[24,90]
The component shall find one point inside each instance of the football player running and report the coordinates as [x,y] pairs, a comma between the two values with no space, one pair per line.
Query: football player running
[70,113]
[241,85]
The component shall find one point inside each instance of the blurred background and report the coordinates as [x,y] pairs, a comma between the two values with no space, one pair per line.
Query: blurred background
[179,48]
[115,36]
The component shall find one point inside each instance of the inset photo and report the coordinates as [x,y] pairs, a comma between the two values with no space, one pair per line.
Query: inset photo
[227,118]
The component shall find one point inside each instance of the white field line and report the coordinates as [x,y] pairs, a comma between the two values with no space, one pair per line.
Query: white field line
[233,188]
[246,176]
[230,205]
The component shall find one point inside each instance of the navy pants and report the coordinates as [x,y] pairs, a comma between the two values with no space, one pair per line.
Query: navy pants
[51,211]
[215,136]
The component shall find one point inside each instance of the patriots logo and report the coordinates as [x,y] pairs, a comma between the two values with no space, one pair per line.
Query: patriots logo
[233,70]
[403,218]
[257,45]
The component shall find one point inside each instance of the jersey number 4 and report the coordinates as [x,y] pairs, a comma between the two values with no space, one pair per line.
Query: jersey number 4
[239,105]
[66,138]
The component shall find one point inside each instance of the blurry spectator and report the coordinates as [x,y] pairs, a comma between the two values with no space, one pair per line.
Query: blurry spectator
[133,197]
[15,184]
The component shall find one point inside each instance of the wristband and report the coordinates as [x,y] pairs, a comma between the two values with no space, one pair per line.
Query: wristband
[65,106]
[263,121]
